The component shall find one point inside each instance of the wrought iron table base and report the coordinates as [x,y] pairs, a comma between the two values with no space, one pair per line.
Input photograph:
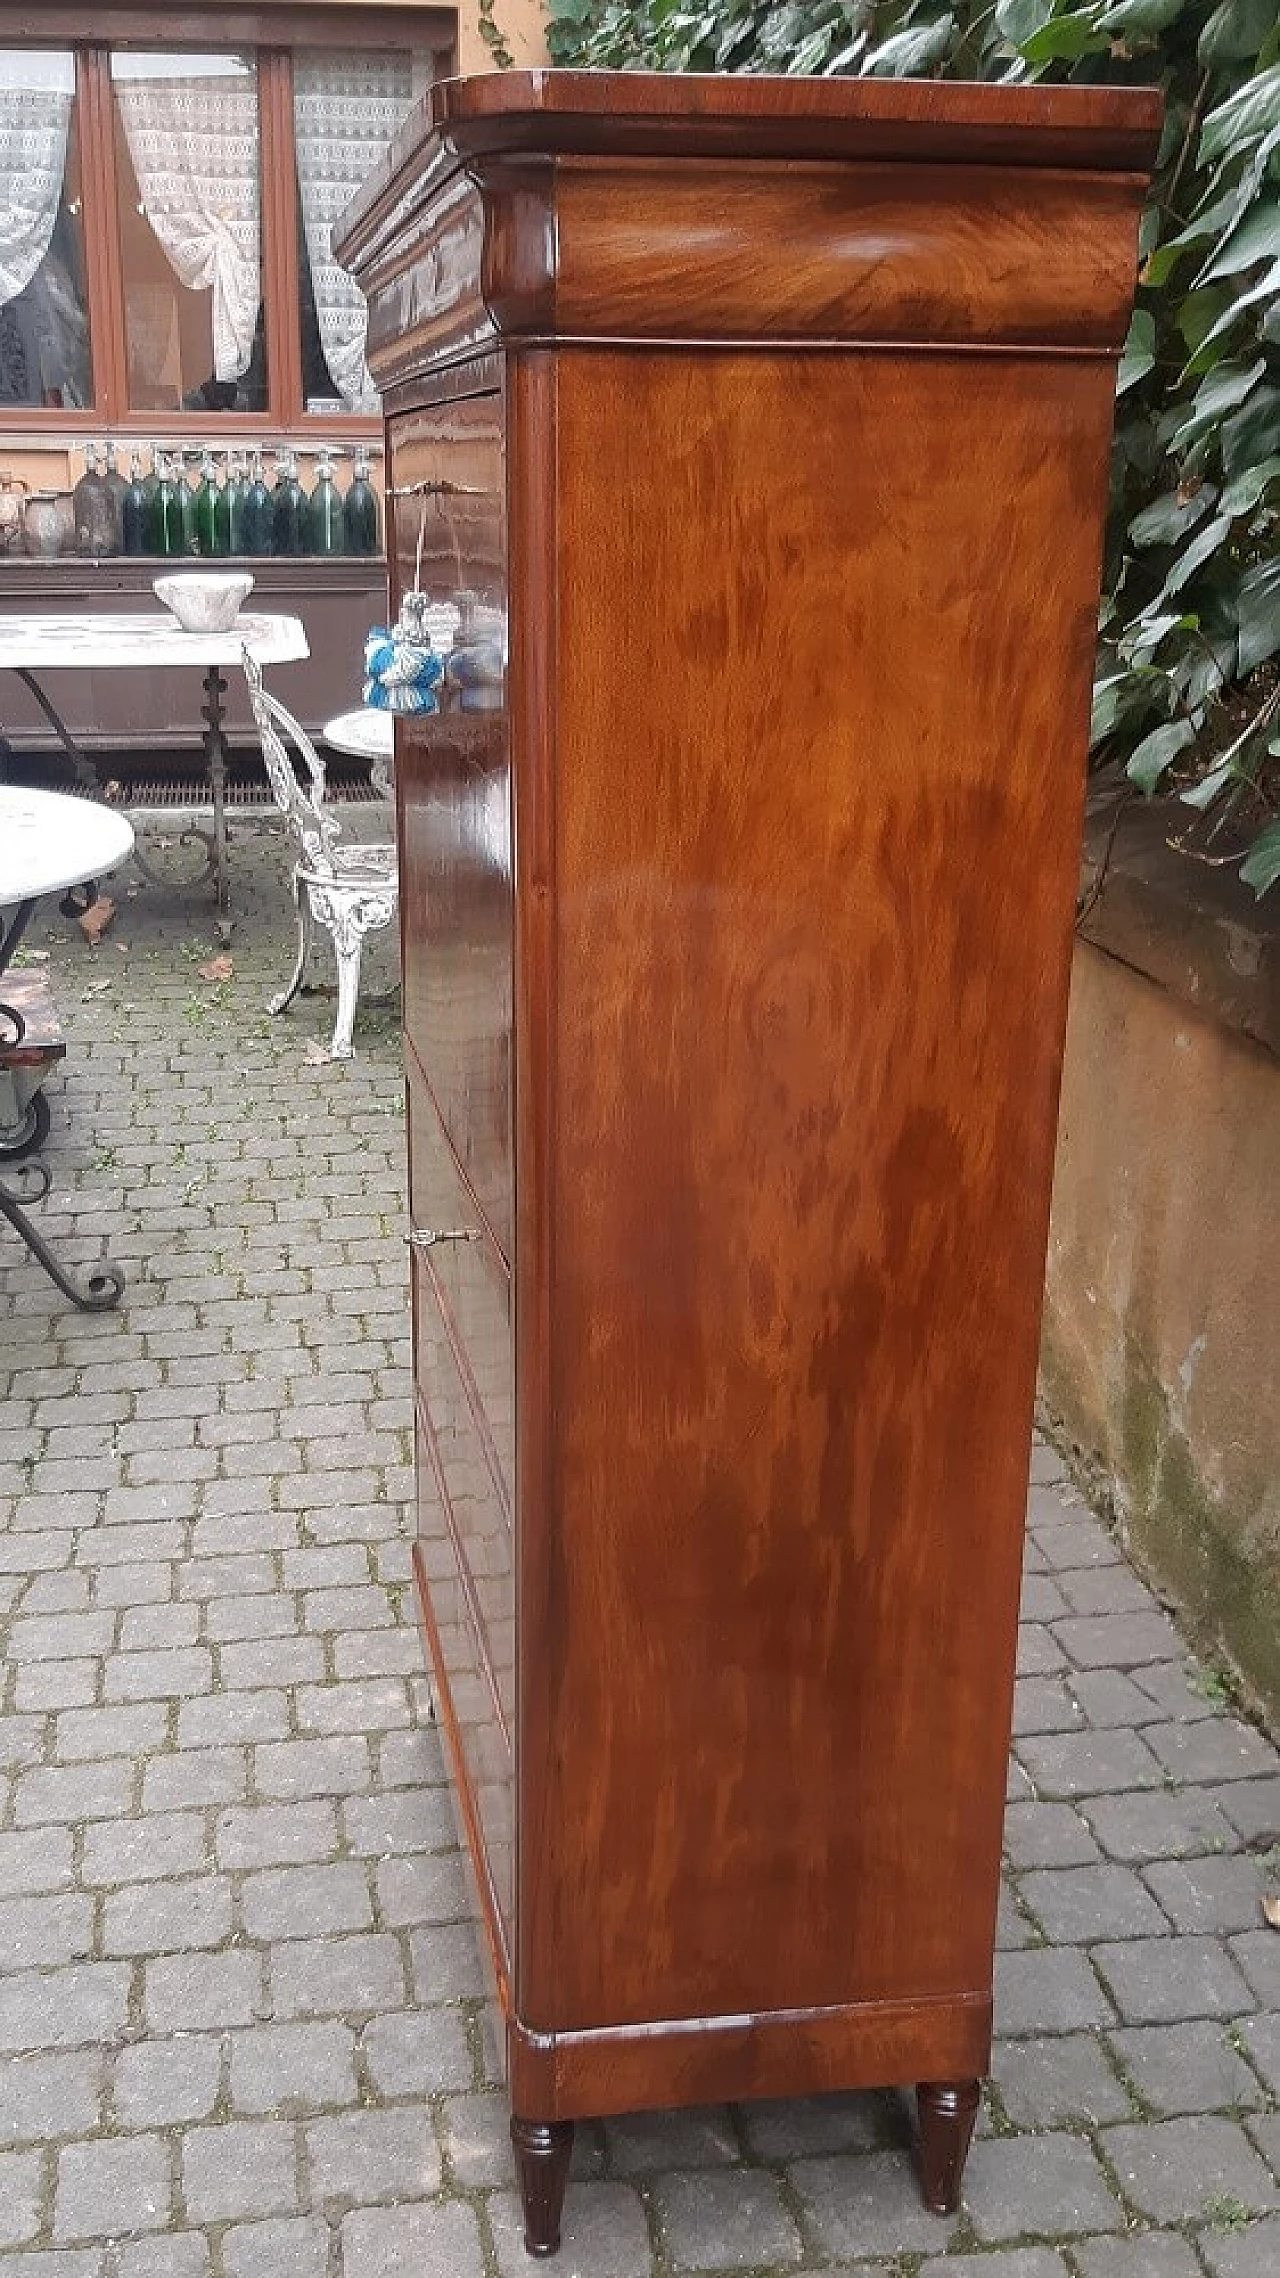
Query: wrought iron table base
[214,745]
[99,1290]
[104,1287]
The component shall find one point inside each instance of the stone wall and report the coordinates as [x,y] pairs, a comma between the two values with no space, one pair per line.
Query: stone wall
[1161,1347]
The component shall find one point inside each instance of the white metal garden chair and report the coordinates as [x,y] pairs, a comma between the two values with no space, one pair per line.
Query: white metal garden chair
[349,890]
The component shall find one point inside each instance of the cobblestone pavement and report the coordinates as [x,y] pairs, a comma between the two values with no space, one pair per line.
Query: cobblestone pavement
[239,1995]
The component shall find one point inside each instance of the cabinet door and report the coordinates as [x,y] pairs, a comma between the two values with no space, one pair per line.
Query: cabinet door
[453,782]
[453,799]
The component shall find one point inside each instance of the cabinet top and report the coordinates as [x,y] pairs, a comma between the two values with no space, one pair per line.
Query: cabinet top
[659,114]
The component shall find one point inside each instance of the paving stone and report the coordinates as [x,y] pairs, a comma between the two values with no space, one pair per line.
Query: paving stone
[330,1977]
[144,1850]
[1253,2252]
[187,1992]
[1138,1827]
[1047,1990]
[1178,2170]
[46,2096]
[229,1719]
[1149,2254]
[604,2236]
[313,1767]
[280,2249]
[1156,1980]
[73,1792]
[364,2157]
[1051,2185]
[1108,1696]
[157,2082]
[288,2069]
[181,2254]
[278,1834]
[84,1732]
[1260,2038]
[867,2203]
[39,1860]
[408,2054]
[1067,1764]
[804,2127]
[409,1821]
[1218,1748]
[296,1902]
[108,2190]
[1186,2067]
[1052,2083]
[64,2009]
[35,1932]
[643,2143]
[445,1964]
[20,2196]
[1252,1808]
[725,2219]
[1177,1688]
[1043,1704]
[195,1776]
[167,1917]
[1258,1954]
[1078,1905]
[429,1887]
[427,2241]
[244,2168]
[1209,1894]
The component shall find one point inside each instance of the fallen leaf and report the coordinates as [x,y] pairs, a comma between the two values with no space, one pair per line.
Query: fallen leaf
[1271,1909]
[122,946]
[95,989]
[94,921]
[315,1055]
[218,969]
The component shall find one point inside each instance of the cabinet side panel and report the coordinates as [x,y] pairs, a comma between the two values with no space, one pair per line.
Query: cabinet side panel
[825,635]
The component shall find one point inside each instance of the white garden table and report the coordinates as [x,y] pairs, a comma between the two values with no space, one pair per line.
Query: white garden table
[149,641]
[47,843]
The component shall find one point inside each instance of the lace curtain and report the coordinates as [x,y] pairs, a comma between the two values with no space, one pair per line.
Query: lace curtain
[193,139]
[346,108]
[34,119]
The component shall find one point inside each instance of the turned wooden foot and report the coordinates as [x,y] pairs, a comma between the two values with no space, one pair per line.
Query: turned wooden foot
[542,2151]
[947,2109]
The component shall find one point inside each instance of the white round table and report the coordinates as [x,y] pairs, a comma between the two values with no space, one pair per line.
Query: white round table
[47,843]
[365,734]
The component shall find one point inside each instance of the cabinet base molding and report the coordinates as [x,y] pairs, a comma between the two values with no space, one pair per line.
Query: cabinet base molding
[708,2060]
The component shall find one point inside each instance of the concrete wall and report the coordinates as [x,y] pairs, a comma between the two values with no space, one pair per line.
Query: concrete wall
[1161,1347]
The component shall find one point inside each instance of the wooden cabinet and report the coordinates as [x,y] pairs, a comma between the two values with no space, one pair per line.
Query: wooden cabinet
[775,418]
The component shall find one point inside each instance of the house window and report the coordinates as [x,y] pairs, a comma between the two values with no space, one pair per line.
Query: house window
[188,152]
[166,218]
[44,313]
[347,106]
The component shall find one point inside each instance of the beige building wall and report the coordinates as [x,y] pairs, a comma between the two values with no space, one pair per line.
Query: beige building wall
[522,24]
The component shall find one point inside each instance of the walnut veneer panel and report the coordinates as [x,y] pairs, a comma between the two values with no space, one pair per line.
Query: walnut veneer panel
[811,954]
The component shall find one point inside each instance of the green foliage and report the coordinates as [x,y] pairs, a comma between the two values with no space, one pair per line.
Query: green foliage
[1188,684]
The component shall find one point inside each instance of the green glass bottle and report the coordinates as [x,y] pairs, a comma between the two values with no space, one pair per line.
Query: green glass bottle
[166,511]
[257,511]
[237,500]
[187,505]
[360,510]
[117,486]
[135,509]
[207,508]
[222,531]
[324,511]
[288,508]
